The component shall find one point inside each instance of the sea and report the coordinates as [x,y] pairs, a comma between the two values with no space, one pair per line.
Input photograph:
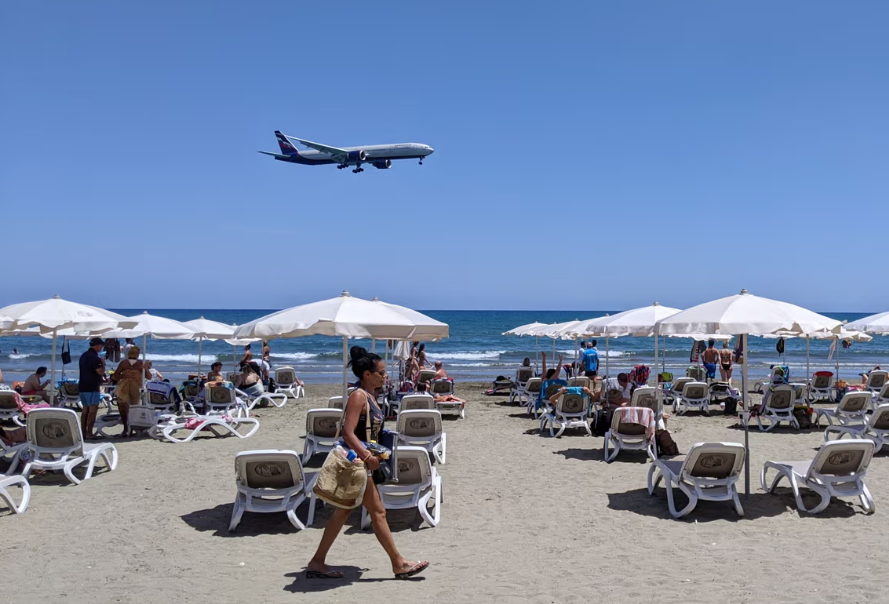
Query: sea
[475,350]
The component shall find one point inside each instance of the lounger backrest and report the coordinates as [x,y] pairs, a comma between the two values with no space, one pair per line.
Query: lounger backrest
[880,418]
[442,387]
[191,389]
[647,396]
[220,395]
[523,375]
[854,402]
[55,429]
[551,391]
[579,382]
[884,393]
[876,380]
[625,428]
[335,402]
[69,389]
[323,422]
[419,423]
[696,373]
[680,383]
[7,400]
[822,381]
[696,390]
[572,403]
[285,376]
[842,458]
[426,375]
[414,467]
[417,401]
[782,397]
[234,377]
[156,398]
[269,469]
[141,416]
[533,385]
[717,461]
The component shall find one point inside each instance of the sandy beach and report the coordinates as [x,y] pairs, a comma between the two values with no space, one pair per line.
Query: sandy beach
[525,518]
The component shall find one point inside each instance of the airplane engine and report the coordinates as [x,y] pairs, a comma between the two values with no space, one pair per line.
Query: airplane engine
[383,165]
[357,156]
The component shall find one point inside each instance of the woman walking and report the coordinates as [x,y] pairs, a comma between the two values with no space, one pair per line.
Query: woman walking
[128,376]
[725,363]
[362,408]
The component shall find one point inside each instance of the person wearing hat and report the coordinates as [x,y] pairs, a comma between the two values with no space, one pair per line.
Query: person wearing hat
[92,374]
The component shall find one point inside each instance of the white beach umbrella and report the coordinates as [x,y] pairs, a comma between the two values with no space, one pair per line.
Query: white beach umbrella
[235,342]
[842,334]
[161,328]
[426,329]
[55,314]
[5,322]
[204,329]
[876,324]
[531,329]
[746,314]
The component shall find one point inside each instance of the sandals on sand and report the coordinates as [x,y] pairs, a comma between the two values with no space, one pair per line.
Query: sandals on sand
[414,570]
[320,574]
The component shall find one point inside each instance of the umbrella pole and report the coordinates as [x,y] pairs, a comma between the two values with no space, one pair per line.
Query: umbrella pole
[656,354]
[200,343]
[345,364]
[746,414]
[373,345]
[607,371]
[575,353]
[144,356]
[52,383]
[537,348]
[837,345]
[808,369]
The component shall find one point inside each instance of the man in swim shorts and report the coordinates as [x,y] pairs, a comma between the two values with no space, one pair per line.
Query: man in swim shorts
[710,357]
[92,374]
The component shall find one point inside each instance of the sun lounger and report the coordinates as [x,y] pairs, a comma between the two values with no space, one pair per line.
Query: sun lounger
[876,380]
[651,397]
[9,408]
[838,470]
[15,481]
[776,376]
[852,409]
[416,401]
[445,388]
[695,395]
[580,381]
[875,428]
[821,387]
[532,391]
[269,481]
[418,484]
[627,435]
[221,400]
[570,411]
[11,454]
[69,395]
[778,407]
[285,378]
[322,429]
[518,387]
[673,393]
[216,425]
[710,472]
[422,428]
[276,399]
[56,443]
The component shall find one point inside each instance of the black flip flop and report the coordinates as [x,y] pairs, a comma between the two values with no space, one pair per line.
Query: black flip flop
[414,570]
[320,574]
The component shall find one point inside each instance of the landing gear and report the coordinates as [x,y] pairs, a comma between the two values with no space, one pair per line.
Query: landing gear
[341,166]
[357,170]
[421,162]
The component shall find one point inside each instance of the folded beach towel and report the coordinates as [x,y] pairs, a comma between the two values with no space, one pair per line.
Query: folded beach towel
[25,407]
[639,415]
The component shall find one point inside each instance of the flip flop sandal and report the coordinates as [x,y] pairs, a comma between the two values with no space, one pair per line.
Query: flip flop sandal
[414,570]
[320,574]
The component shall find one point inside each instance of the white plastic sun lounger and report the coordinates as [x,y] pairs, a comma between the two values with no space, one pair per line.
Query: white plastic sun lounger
[276,399]
[12,454]
[570,411]
[321,431]
[422,428]
[56,443]
[285,378]
[710,472]
[778,408]
[852,409]
[627,436]
[517,392]
[838,470]
[216,425]
[269,481]
[695,395]
[418,484]
[875,428]
[9,409]
[15,481]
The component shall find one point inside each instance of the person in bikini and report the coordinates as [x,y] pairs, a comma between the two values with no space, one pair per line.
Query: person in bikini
[725,363]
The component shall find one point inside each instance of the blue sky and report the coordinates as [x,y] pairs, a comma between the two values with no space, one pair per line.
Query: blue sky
[588,154]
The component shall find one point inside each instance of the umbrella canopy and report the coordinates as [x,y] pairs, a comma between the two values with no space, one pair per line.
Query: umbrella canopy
[558,330]
[878,324]
[161,328]
[6,322]
[210,330]
[57,313]
[746,314]
[531,329]
[426,328]
[343,316]
[634,322]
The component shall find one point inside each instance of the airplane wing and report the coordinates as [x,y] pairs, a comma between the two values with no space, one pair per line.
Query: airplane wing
[334,152]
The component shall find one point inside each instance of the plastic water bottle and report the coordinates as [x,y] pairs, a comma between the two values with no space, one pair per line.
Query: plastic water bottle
[351,455]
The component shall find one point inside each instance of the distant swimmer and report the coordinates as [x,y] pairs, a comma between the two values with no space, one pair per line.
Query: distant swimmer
[379,156]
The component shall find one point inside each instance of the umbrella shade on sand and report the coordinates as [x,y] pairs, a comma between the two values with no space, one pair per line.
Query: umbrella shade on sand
[745,314]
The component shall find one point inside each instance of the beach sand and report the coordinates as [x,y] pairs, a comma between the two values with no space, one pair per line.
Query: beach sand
[525,518]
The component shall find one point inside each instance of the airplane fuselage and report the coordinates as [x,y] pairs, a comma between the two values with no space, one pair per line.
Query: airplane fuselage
[372,153]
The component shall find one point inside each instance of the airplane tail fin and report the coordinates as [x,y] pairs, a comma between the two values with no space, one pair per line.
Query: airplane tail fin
[284,143]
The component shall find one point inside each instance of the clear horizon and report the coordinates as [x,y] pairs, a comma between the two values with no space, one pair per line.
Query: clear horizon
[586,154]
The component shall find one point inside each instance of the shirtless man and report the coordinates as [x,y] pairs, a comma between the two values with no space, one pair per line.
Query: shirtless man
[440,373]
[710,357]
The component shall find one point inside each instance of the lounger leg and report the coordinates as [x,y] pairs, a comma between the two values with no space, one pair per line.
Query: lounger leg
[692,499]
[562,424]
[237,512]
[867,501]
[654,471]
[307,451]
[26,497]
[440,451]
[424,511]
[310,519]
[737,501]
[365,518]
[291,515]
[68,470]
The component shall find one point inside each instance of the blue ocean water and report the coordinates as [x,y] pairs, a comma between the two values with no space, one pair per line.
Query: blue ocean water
[476,350]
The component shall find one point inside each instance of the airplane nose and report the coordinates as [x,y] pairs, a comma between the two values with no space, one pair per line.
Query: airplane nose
[430,149]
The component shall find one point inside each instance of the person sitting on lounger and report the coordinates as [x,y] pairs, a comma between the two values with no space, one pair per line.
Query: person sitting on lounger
[215,374]
[251,380]
[440,373]
[33,386]
[866,375]
[440,398]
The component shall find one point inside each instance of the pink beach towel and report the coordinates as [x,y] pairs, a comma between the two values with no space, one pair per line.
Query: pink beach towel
[639,415]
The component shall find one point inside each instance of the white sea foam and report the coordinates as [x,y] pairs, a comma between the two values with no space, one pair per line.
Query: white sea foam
[467,356]
[294,356]
[183,358]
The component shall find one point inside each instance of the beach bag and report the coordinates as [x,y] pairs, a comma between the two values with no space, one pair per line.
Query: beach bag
[731,406]
[341,482]
[803,417]
[66,352]
[665,444]
[601,422]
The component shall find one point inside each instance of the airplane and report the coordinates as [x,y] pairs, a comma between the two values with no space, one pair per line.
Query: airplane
[379,156]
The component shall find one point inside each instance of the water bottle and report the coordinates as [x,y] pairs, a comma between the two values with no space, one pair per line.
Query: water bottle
[351,455]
